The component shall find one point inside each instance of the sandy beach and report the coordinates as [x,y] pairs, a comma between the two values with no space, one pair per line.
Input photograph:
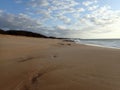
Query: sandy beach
[28,63]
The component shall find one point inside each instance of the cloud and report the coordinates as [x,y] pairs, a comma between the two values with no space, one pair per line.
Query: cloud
[68,18]
[89,2]
[103,16]
[25,22]
[94,7]
[53,9]
[65,19]
[61,27]
[60,4]
[38,3]
[1,11]
[80,10]
[20,21]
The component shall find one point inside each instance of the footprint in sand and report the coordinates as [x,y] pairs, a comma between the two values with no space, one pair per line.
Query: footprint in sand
[24,59]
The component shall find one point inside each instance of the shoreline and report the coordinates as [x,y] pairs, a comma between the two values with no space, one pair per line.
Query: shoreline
[28,63]
[98,43]
[101,46]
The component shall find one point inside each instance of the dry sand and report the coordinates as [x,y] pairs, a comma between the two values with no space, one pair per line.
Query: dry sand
[46,64]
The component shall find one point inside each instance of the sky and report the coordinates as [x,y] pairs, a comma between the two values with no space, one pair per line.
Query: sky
[87,19]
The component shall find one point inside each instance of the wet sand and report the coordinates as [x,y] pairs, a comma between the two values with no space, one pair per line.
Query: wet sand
[28,63]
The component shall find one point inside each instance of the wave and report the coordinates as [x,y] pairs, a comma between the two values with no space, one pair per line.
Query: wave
[105,43]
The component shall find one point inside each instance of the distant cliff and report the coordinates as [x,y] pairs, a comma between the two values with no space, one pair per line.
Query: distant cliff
[22,33]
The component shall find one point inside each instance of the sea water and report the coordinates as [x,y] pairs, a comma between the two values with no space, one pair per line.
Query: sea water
[108,43]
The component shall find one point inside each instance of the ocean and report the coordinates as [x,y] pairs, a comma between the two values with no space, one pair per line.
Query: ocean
[108,43]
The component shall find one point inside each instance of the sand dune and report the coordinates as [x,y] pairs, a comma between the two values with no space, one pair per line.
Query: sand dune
[28,63]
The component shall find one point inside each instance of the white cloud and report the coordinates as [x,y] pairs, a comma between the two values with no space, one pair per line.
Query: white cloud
[1,11]
[44,13]
[72,18]
[20,21]
[38,3]
[60,4]
[25,22]
[76,15]
[61,27]
[80,10]
[65,19]
[89,2]
[94,7]
[103,16]
[53,8]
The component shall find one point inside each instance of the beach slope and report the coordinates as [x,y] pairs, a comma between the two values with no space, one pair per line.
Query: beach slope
[28,63]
